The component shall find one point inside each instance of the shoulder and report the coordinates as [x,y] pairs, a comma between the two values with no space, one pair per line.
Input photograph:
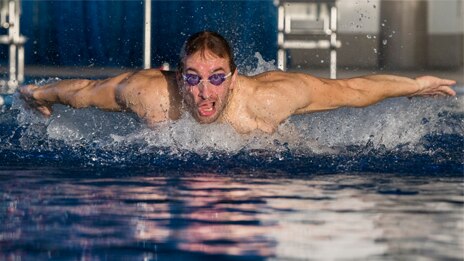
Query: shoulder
[271,97]
[280,77]
[283,83]
[143,78]
[149,93]
[281,87]
[139,85]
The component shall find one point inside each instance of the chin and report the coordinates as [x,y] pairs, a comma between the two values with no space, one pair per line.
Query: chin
[206,120]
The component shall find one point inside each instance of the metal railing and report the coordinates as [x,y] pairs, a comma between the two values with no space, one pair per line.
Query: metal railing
[315,24]
[10,12]
[147,35]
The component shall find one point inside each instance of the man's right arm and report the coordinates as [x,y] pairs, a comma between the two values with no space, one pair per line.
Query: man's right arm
[75,93]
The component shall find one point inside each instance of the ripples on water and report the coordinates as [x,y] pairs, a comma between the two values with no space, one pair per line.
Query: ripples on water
[70,215]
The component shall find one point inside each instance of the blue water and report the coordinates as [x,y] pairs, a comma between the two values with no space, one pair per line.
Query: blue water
[399,135]
[379,183]
[124,215]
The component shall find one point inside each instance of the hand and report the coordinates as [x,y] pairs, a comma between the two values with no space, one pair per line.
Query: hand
[433,86]
[27,94]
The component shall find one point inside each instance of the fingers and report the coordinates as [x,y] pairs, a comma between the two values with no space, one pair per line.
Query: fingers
[440,91]
[447,82]
[26,93]
[45,111]
[447,90]
[432,86]
[431,80]
[23,91]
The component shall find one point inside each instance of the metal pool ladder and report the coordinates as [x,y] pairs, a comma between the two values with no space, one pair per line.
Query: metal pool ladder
[307,24]
[10,12]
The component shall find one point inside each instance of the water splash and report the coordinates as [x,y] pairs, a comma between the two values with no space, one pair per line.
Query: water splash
[396,135]
[258,66]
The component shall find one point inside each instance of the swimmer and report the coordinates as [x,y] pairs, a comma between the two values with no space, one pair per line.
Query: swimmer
[207,85]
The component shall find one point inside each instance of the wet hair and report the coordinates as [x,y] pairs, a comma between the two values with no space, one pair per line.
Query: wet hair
[203,41]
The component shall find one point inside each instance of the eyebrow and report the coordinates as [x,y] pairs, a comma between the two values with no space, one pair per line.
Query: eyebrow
[214,71]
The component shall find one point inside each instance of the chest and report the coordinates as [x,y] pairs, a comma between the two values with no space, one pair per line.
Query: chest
[244,120]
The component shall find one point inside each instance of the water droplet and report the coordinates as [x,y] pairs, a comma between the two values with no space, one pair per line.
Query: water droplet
[368,36]
[322,61]
[375,50]
[384,42]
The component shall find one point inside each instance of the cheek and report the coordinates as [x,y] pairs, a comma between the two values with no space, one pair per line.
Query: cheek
[190,94]
[193,92]
[222,92]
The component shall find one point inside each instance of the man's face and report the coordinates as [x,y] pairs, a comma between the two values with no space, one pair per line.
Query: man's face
[206,100]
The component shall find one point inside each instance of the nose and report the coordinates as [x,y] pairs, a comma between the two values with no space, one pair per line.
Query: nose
[205,90]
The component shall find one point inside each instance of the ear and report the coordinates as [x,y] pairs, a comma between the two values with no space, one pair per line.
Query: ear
[180,82]
[179,77]
[233,79]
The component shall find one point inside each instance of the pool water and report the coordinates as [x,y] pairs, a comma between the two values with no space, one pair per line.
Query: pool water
[134,215]
[379,183]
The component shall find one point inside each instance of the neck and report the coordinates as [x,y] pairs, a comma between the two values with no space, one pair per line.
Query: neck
[231,100]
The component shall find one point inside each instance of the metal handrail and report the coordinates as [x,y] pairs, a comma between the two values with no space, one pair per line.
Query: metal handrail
[147,36]
[325,26]
[10,12]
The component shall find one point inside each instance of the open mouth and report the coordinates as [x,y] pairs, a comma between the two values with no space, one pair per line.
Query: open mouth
[207,109]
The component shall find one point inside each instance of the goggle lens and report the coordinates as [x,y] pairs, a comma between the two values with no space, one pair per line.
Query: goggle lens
[215,79]
[192,79]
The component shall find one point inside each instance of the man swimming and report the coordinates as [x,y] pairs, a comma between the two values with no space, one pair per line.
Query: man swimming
[208,85]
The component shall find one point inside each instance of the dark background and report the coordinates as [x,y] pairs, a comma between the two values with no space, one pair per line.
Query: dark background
[110,32]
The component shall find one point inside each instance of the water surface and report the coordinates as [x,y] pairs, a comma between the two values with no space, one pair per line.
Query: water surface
[378,183]
[108,215]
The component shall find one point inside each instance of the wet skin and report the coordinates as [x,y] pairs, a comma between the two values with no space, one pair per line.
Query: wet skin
[259,102]
[205,100]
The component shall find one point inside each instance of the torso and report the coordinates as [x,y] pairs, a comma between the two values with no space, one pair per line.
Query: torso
[264,101]
[256,103]
[248,110]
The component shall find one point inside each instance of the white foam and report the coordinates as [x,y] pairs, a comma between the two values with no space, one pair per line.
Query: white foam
[261,66]
[393,123]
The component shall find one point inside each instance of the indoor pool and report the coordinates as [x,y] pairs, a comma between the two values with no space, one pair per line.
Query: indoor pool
[379,183]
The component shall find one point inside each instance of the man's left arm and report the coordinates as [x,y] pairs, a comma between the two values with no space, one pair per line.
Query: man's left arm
[324,94]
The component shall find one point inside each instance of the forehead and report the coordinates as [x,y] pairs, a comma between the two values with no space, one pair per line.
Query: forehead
[206,61]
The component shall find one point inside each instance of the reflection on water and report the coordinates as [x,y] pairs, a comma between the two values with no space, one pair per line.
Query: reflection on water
[190,216]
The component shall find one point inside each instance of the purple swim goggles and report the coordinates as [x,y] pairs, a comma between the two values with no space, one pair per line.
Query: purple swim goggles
[215,79]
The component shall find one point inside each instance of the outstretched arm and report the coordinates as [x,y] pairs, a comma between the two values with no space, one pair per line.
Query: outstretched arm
[76,93]
[326,94]
[279,95]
